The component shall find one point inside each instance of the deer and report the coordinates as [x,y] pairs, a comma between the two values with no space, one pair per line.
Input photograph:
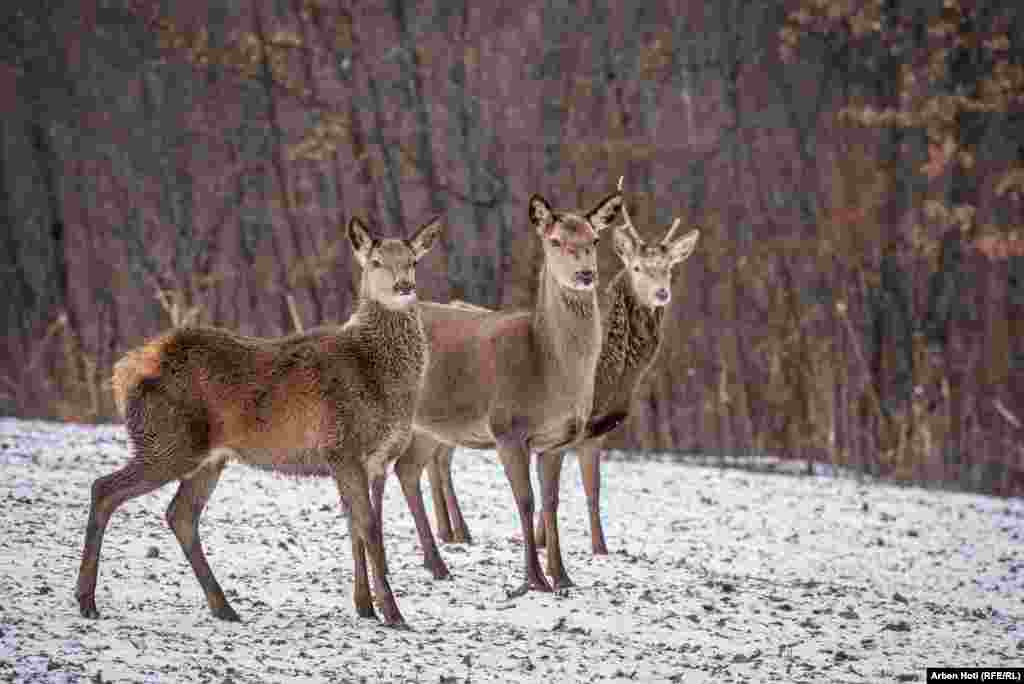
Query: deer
[633,305]
[517,381]
[334,401]
[633,314]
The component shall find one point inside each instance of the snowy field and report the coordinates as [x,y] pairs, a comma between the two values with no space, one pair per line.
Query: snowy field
[714,576]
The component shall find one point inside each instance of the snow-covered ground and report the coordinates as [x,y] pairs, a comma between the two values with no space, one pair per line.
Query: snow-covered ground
[715,575]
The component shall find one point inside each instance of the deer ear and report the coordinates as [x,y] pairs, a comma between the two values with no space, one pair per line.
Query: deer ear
[541,215]
[625,242]
[606,212]
[682,248]
[360,239]
[425,237]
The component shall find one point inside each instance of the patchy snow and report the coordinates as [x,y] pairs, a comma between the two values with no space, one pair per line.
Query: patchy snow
[715,575]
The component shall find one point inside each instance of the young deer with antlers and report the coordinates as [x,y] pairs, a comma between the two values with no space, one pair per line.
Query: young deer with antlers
[518,381]
[633,309]
[335,401]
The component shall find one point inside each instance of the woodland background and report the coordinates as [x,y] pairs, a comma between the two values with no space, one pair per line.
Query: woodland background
[857,297]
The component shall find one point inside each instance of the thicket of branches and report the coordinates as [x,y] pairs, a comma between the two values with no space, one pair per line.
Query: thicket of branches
[856,167]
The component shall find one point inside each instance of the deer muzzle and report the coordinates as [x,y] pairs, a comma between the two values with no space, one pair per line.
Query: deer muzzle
[404,287]
[586,278]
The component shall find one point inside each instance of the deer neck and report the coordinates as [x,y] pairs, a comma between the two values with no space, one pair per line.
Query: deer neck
[643,322]
[396,336]
[632,336]
[568,325]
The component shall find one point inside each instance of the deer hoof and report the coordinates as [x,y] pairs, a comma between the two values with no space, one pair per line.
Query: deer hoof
[366,612]
[562,582]
[400,625]
[226,613]
[87,606]
[531,585]
[440,573]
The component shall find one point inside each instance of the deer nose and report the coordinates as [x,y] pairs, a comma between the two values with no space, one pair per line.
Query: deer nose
[404,288]
[661,294]
[585,277]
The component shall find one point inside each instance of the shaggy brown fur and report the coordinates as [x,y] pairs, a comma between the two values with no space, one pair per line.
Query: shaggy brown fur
[337,400]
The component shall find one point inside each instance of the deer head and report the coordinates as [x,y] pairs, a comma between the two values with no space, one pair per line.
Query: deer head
[649,267]
[570,240]
[389,264]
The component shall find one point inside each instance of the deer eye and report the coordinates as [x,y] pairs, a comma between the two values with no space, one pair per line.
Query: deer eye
[556,242]
[636,268]
[597,241]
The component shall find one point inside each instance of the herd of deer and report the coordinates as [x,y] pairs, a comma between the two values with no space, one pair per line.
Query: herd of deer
[402,383]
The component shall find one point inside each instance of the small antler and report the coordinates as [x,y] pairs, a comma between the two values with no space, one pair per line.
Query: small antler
[628,225]
[671,231]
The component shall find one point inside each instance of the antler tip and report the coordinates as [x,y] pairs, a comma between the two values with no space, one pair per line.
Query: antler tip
[620,183]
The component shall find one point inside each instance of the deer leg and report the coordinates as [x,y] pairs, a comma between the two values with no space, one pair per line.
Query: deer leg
[515,458]
[169,440]
[441,519]
[183,518]
[589,456]
[550,466]
[354,486]
[460,532]
[361,596]
[377,503]
[539,530]
[409,470]
[108,493]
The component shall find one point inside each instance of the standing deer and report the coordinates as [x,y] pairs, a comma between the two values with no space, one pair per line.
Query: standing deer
[518,381]
[633,314]
[335,401]
[633,309]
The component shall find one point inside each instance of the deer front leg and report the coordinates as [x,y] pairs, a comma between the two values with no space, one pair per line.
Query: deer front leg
[354,487]
[589,456]
[377,483]
[361,596]
[550,470]
[515,458]
[409,469]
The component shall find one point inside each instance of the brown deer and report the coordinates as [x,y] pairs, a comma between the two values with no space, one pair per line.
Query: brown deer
[518,381]
[336,401]
[632,307]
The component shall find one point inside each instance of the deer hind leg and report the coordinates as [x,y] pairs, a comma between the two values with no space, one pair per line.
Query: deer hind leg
[409,470]
[108,493]
[515,458]
[168,441]
[183,515]
[550,470]
[460,531]
[441,517]
[354,487]
[589,456]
